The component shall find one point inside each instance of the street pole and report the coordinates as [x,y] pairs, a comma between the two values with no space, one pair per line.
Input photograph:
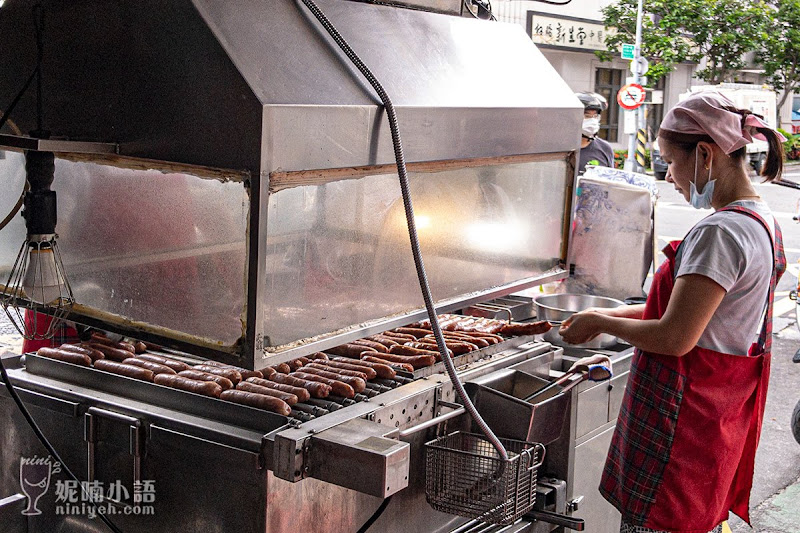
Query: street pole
[630,162]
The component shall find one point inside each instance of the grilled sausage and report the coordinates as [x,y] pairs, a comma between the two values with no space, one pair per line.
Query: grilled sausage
[382,371]
[93,354]
[416,332]
[315,388]
[405,355]
[318,355]
[65,355]
[411,350]
[152,346]
[456,347]
[391,364]
[156,368]
[402,336]
[341,371]
[267,372]
[357,383]
[126,346]
[199,375]
[243,371]
[177,366]
[294,364]
[531,328]
[349,350]
[229,373]
[290,399]
[99,338]
[115,354]
[260,401]
[356,366]
[139,346]
[426,346]
[283,368]
[338,387]
[301,393]
[386,341]
[378,347]
[122,369]
[462,337]
[206,388]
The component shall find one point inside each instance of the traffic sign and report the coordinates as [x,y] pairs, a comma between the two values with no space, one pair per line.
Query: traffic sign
[628,50]
[631,96]
[641,64]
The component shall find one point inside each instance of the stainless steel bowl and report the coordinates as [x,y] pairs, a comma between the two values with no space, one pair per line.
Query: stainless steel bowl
[559,307]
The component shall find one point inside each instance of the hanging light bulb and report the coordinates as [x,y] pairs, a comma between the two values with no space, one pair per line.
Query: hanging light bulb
[37,285]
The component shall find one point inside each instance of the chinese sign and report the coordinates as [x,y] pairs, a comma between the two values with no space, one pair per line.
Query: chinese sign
[581,34]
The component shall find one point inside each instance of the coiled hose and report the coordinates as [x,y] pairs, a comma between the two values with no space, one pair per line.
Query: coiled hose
[412,228]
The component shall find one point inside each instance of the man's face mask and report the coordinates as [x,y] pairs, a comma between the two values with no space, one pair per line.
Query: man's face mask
[701,200]
[590,126]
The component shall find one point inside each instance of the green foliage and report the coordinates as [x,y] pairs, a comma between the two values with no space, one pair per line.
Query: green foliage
[621,155]
[791,146]
[780,50]
[673,31]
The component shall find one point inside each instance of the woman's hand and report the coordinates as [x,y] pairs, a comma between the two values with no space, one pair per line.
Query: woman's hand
[582,327]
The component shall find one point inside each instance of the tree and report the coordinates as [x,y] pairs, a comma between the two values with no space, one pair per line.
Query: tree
[780,52]
[717,31]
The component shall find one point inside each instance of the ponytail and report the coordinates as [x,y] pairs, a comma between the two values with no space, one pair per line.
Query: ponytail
[773,169]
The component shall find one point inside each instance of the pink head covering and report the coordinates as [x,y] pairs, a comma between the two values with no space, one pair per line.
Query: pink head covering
[705,113]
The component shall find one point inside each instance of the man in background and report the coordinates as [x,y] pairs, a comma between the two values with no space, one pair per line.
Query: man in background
[594,151]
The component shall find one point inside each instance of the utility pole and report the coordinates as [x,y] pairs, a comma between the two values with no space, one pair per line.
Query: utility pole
[630,162]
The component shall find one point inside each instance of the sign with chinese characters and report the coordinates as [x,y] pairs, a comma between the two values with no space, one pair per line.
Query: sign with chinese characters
[628,51]
[566,32]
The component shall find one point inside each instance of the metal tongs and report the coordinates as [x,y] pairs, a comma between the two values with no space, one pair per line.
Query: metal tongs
[595,367]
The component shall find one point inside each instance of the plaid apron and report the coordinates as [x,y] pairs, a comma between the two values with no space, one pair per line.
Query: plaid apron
[63,333]
[683,450]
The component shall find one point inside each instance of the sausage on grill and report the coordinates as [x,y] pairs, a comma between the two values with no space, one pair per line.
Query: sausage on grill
[350,350]
[369,373]
[93,354]
[122,369]
[381,370]
[337,370]
[290,399]
[416,360]
[357,383]
[301,393]
[65,355]
[156,368]
[315,388]
[338,387]
[206,388]
[199,375]
[229,373]
[531,328]
[366,358]
[243,371]
[260,401]
[177,366]
[115,354]
[377,346]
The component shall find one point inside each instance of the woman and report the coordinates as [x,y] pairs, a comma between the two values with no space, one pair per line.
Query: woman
[682,453]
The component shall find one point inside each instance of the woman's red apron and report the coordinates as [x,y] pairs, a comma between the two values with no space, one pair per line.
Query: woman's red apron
[683,451]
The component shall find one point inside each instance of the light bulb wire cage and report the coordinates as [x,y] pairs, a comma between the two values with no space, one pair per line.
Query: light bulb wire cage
[48,309]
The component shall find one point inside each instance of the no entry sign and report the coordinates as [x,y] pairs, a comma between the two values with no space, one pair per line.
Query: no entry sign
[631,96]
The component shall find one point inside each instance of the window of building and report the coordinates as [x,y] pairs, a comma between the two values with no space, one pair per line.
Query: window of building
[654,113]
[608,82]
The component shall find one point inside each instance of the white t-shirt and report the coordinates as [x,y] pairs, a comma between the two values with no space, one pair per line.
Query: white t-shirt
[734,250]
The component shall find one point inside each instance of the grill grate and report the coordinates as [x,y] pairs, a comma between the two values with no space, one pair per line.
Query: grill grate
[465,476]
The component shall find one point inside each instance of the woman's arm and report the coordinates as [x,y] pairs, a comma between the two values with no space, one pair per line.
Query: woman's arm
[693,302]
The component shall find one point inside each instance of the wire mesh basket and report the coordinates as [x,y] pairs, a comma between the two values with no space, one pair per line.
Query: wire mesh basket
[465,476]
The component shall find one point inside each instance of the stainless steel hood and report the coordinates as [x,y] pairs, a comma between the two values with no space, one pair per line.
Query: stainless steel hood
[258,85]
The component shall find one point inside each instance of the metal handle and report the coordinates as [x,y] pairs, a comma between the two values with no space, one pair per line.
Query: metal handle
[135,425]
[542,451]
[458,410]
[569,522]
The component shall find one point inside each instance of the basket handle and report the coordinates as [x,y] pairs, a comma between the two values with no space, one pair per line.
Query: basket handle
[539,447]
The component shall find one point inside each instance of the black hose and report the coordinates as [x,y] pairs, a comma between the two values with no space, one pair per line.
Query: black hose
[412,229]
[375,515]
[50,449]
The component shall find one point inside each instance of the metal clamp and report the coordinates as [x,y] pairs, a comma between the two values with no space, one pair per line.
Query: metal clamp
[541,453]
[458,410]
[136,441]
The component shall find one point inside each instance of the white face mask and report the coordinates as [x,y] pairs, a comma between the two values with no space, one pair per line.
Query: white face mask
[590,126]
[701,200]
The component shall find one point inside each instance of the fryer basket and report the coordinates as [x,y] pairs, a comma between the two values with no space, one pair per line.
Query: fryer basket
[465,476]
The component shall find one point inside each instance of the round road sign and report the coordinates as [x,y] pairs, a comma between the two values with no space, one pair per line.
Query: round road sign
[631,96]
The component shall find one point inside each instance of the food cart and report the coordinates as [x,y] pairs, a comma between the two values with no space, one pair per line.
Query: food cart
[227,191]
